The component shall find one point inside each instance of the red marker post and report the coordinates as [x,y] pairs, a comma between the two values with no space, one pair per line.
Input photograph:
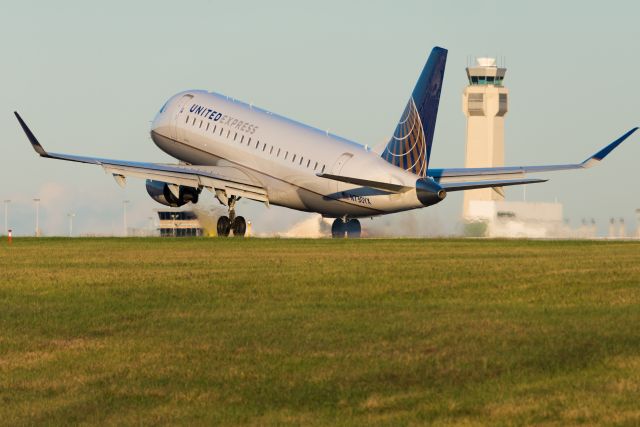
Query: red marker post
[9,237]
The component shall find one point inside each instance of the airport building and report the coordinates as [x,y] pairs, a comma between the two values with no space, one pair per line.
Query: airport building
[485,211]
[491,218]
[485,104]
[178,223]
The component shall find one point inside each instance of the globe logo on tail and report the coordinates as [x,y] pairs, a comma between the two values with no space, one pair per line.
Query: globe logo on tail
[407,148]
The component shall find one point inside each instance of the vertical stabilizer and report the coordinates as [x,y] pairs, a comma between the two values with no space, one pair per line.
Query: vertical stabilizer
[410,145]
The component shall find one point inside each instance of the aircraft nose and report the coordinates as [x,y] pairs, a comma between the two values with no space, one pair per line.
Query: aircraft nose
[161,118]
[161,121]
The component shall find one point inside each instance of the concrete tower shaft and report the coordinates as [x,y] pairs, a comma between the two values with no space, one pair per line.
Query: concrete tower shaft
[485,104]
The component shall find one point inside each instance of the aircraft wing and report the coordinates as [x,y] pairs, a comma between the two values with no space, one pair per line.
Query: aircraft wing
[229,179]
[472,178]
[447,177]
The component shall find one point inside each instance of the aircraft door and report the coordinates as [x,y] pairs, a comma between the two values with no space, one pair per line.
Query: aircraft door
[177,123]
[337,169]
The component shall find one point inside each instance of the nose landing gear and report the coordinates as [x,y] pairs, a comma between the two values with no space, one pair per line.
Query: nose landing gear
[232,223]
[350,228]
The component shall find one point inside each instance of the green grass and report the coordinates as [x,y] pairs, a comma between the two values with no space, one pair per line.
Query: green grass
[319,332]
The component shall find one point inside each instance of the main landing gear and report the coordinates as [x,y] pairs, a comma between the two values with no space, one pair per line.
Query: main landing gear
[350,228]
[232,223]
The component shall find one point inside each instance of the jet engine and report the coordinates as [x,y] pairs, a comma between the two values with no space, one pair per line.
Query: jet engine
[162,193]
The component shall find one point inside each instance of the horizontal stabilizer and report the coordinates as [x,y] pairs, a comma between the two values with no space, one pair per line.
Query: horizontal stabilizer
[460,186]
[384,186]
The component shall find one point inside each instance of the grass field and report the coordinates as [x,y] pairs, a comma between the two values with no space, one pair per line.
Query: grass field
[319,332]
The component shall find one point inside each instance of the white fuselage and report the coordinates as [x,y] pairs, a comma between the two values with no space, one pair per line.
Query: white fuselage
[284,156]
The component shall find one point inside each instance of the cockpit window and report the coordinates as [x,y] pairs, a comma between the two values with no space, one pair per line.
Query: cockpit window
[164,107]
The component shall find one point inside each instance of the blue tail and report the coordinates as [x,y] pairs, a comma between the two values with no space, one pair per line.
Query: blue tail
[410,145]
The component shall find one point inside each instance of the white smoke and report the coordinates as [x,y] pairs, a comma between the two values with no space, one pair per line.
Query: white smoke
[313,227]
[208,217]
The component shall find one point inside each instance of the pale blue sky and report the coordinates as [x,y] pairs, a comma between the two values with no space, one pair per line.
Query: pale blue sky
[89,76]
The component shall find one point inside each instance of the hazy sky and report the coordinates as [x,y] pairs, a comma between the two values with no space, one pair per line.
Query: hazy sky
[89,77]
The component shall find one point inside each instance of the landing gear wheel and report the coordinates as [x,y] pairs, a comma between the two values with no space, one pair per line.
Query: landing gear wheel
[239,226]
[338,229]
[224,226]
[353,229]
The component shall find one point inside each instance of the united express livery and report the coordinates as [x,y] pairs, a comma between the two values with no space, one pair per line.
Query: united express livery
[235,150]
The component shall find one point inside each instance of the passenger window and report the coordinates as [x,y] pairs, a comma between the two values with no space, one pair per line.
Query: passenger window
[278,155]
[214,128]
[294,158]
[221,129]
[316,166]
[323,168]
[301,159]
[194,122]
[187,121]
[235,136]
[228,133]
[257,144]
[264,147]
[308,163]
[271,150]
[200,127]
[208,124]
[249,141]
[286,155]
[242,139]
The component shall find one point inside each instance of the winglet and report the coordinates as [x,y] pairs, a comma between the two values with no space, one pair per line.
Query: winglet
[32,139]
[596,158]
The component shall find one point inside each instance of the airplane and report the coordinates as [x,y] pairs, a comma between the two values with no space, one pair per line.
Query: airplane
[236,150]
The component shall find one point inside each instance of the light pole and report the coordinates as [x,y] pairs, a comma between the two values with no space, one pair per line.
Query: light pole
[124,216]
[6,216]
[175,224]
[37,217]
[71,215]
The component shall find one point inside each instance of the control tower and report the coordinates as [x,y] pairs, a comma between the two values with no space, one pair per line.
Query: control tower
[484,103]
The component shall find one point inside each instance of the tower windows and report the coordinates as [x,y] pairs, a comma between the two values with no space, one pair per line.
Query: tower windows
[476,104]
[502,104]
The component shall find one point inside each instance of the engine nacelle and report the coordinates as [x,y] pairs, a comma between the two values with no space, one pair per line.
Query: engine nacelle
[160,192]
